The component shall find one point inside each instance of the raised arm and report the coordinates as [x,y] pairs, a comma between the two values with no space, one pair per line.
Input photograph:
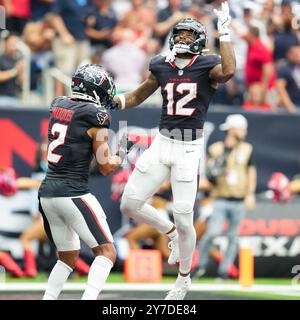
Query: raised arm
[136,97]
[164,27]
[59,26]
[224,71]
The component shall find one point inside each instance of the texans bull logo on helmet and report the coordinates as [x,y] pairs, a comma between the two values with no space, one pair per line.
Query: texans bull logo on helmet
[93,83]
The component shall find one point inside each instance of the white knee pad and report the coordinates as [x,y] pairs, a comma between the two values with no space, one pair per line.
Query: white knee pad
[182,208]
[142,212]
[183,215]
[130,204]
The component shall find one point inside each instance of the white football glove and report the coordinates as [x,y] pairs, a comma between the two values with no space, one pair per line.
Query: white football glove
[224,19]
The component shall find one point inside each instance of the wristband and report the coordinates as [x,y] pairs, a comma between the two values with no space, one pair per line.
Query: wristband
[225,38]
[123,101]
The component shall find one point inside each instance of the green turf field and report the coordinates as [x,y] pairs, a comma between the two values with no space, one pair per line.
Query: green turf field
[260,295]
[117,277]
[204,288]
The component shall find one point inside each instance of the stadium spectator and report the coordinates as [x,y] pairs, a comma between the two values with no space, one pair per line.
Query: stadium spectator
[284,34]
[259,73]
[11,71]
[70,46]
[268,13]
[17,14]
[12,200]
[126,61]
[39,37]
[229,94]
[101,22]
[39,9]
[288,81]
[232,172]
[241,25]
[199,11]
[294,186]
[204,212]
[140,20]
[168,17]
[35,231]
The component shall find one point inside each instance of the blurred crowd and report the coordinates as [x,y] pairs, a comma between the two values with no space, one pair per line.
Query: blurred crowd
[48,39]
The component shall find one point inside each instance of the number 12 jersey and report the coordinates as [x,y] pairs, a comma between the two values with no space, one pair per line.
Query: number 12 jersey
[186,94]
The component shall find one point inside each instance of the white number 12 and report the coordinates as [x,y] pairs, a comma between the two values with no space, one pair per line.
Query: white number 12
[191,88]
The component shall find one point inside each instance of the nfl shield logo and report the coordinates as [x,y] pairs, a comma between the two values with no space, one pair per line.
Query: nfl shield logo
[180,72]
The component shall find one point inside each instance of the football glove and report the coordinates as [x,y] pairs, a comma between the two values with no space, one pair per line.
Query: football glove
[224,19]
[112,105]
[125,146]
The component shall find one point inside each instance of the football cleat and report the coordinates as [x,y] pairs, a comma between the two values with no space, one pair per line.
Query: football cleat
[174,255]
[180,289]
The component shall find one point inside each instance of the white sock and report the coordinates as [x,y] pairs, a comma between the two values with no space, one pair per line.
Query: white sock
[186,241]
[182,278]
[98,274]
[172,234]
[57,279]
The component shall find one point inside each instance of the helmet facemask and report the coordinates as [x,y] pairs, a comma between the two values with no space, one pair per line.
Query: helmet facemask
[198,32]
[195,47]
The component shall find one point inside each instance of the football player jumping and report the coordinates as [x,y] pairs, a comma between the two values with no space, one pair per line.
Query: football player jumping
[188,79]
[78,129]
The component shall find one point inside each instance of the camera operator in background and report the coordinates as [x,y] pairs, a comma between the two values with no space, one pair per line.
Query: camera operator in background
[232,173]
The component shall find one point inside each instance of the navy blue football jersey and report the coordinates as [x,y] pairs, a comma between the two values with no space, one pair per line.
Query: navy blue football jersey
[70,149]
[186,94]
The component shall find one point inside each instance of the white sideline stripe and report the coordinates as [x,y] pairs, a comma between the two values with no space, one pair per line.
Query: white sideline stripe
[11,287]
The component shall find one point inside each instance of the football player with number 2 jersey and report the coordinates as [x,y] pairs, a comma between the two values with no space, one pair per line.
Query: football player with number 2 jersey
[78,129]
[188,79]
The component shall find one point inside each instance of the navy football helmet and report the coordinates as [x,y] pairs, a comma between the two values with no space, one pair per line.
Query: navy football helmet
[93,83]
[197,28]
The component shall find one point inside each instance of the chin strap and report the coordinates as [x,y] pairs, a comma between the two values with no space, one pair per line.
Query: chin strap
[179,48]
